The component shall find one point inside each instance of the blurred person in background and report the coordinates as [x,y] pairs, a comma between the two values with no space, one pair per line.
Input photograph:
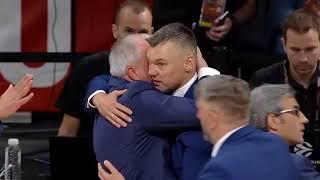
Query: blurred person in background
[313,6]
[214,42]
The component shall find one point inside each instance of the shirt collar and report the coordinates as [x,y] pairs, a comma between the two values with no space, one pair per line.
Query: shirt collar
[220,142]
[183,90]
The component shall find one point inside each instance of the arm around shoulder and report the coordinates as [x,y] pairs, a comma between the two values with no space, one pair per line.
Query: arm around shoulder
[96,85]
[163,112]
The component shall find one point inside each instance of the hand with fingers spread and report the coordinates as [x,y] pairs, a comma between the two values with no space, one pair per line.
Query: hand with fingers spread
[113,175]
[16,96]
[110,109]
[216,33]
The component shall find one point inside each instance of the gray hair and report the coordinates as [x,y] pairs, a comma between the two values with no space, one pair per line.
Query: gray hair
[126,52]
[266,99]
[230,93]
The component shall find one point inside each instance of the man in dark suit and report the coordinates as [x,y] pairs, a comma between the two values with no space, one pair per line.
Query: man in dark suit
[240,151]
[135,150]
[172,67]
[275,109]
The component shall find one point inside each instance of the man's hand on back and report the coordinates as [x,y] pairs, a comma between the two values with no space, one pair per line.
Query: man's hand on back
[113,175]
[109,108]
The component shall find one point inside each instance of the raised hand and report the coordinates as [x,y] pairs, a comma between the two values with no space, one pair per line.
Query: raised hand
[16,96]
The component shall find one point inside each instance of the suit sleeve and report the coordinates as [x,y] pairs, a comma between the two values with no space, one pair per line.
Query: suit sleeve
[97,83]
[214,171]
[158,111]
[306,168]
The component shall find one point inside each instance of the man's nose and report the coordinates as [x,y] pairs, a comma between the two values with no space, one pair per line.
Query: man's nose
[304,59]
[304,119]
[152,71]
[303,56]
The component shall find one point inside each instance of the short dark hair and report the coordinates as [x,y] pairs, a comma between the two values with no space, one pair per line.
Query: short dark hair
[301,21]
[138,7]
[175,32]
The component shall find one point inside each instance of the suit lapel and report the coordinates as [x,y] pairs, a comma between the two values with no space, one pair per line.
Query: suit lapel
[189,93]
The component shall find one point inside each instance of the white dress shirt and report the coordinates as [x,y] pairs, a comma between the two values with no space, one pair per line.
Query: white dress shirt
[183,90]
[220,142]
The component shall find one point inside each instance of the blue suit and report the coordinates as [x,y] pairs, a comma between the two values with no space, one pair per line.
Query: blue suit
[250,154]
[136,150]
[306,169]
[190,152]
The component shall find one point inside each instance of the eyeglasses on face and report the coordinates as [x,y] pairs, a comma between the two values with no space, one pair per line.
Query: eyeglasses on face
[292,111]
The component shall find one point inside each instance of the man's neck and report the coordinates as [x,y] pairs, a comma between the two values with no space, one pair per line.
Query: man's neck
[303,80]
[225,129]
[187,79]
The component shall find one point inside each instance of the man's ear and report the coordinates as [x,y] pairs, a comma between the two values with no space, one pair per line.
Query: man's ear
[272,122]
[190,63]
[131,72]
[283,41]
[114,31]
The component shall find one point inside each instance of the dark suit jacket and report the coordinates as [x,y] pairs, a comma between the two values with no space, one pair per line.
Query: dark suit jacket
[190,152]
[306,168]
[134,150]
[250,154]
